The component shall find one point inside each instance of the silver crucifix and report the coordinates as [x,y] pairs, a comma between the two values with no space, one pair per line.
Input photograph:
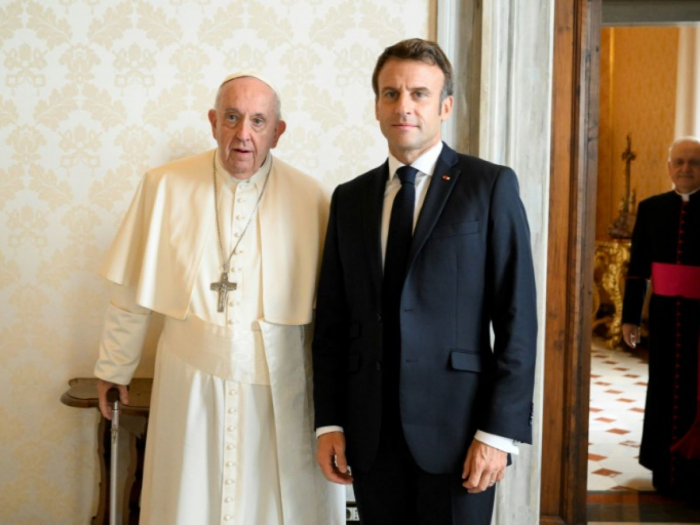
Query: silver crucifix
[223,287]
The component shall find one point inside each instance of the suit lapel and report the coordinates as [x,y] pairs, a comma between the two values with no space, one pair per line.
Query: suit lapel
[372,216]
[443,181]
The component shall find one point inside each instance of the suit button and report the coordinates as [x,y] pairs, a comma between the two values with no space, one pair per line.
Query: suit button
[379,318]
[378,366]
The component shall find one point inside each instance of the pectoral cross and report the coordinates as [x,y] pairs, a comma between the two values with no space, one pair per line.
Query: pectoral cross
[223,287]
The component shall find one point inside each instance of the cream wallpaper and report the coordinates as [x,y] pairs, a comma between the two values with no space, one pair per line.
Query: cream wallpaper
[91,94]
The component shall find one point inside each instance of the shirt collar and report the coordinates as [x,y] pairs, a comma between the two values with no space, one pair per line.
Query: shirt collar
[425,163]
[686,196]
[256,180]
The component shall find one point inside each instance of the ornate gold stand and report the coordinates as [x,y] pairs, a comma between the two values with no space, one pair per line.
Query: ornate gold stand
[611,262]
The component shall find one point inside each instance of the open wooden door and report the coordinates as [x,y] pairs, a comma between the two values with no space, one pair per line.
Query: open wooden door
[570,260]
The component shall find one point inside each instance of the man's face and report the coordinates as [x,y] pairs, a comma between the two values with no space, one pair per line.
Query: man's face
[684,166]
[245,125]
[408,107]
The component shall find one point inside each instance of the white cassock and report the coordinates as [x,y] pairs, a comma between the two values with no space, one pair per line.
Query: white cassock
[230,435]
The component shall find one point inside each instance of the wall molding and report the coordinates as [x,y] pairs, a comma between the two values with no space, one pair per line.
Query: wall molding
[502,53]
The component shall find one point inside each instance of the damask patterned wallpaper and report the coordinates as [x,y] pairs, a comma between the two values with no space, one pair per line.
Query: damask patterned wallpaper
[92,92]
[638,96]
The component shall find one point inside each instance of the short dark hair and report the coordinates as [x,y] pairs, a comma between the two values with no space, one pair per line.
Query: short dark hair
[421,50]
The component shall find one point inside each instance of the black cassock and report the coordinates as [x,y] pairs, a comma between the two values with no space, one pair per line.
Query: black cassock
[667,231]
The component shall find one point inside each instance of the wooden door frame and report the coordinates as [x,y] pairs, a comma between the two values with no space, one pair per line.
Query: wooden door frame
[572,205]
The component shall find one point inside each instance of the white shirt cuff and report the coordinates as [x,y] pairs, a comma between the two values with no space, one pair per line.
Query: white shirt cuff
[501,443]
[327,430]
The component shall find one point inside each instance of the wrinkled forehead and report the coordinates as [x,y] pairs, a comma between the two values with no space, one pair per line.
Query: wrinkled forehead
[246,86]
[250,85]
[686,149]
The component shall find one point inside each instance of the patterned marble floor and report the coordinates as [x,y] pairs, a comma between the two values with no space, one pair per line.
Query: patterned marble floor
[618,389]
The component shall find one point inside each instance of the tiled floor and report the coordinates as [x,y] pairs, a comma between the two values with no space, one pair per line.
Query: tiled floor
[618,389]
[619,488]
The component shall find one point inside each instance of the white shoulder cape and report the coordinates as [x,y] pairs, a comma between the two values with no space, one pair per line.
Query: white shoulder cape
[159,246]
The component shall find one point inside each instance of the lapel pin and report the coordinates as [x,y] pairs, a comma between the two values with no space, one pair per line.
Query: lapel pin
[445,177]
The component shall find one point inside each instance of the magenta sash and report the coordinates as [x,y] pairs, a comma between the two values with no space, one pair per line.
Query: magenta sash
[678,280]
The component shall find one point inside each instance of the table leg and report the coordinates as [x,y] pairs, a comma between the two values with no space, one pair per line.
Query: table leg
[104,453]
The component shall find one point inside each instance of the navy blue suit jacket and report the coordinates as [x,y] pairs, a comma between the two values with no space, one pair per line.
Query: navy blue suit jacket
[470,266]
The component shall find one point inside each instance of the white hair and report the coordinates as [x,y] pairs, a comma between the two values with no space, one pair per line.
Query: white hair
[689,138]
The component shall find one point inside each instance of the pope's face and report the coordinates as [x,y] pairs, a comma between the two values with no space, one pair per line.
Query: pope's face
[245,125]
[684,166]
[408,107]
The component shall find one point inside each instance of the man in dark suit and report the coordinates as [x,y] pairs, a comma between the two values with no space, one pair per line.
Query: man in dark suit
[423,255]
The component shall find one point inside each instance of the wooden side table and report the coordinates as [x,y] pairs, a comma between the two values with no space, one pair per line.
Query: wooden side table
[134,420]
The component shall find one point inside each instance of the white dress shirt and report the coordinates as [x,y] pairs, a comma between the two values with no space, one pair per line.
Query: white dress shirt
[425,164]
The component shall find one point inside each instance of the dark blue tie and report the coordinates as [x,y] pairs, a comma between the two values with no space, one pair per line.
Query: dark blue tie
[398,244]
[398,241]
